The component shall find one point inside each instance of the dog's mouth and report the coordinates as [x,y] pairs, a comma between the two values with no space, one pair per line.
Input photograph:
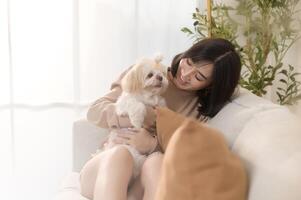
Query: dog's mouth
[158,85]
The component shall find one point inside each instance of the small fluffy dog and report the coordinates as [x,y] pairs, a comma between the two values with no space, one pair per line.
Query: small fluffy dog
[142,86]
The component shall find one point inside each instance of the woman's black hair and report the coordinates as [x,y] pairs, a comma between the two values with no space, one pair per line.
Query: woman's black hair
[225,76]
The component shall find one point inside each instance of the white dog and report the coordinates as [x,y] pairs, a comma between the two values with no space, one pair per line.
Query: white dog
[142,86]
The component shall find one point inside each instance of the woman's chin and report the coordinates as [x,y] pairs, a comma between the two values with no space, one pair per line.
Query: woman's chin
[180,85]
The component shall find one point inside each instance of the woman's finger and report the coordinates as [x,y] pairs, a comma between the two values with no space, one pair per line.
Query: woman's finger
[124,136]
[124,131]
[133,130]
[121,141]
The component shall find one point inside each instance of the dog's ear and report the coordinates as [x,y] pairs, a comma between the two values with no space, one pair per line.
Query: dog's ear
[133,81]
[158,57]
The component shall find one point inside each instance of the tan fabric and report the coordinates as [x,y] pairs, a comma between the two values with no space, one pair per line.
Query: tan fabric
[167,123]
[197,164]
[102,111]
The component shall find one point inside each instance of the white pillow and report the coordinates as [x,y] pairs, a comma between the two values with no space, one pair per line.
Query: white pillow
[270,147]
[234,116]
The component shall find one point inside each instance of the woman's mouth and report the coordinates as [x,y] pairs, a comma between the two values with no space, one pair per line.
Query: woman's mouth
[181,79]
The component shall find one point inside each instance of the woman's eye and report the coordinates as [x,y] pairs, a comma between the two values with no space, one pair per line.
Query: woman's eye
[188,62]
[150,75]
[198,78]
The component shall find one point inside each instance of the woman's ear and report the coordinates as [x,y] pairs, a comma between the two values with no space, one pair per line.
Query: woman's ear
[133,80]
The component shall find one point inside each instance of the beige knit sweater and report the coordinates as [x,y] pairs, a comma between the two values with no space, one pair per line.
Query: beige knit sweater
[102,111]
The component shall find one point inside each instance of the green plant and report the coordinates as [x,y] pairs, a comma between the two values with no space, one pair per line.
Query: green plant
[267,29]
[289,93]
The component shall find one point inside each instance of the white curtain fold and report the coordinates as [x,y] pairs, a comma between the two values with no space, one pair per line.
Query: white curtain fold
[56,57]
[114,33]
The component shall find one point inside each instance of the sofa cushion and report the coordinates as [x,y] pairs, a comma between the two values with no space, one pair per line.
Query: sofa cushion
[237,113]
[270,147]
[197,163]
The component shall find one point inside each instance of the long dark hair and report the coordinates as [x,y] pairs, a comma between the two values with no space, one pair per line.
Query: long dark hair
[225,77]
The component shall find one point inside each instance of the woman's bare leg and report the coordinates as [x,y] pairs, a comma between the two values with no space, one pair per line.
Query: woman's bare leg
[150,175]
[88,175]
[113,183]
[136,190]
[106,176]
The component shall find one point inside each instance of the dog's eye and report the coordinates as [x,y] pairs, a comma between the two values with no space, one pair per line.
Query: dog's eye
[150,75]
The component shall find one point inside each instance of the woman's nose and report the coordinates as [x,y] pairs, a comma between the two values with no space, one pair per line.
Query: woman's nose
[187,73]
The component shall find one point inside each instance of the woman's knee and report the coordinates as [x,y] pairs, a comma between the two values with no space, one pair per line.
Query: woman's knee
[88,175]
[100,165]
[118,154]
[111,155]
[151,167]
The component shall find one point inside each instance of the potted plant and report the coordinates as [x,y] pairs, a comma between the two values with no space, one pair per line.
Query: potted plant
[263,31]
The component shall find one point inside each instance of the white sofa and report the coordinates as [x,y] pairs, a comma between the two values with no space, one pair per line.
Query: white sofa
[266,136]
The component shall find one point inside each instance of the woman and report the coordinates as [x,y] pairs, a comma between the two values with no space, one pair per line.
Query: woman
[201,81]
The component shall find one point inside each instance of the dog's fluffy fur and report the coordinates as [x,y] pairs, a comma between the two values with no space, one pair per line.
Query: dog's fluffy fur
[142,86]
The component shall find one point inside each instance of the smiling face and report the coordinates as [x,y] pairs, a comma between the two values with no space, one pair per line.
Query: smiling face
[193,76]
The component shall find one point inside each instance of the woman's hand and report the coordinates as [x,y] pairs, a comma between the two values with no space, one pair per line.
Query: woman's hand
[140,139]
[150,118]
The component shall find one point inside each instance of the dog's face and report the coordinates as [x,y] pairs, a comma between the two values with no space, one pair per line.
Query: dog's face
[155,78]
[148,75]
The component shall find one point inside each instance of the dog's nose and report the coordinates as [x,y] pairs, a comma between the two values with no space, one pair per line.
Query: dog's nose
[160,78]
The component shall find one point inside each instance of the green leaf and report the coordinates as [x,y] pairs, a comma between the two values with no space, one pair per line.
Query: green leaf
[279,96]
[186,30]
[295,74]
[283,81]
[284,71]
[289,87]
[281,89]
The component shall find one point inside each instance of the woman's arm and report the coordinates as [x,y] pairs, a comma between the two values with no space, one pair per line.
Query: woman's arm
[102,112]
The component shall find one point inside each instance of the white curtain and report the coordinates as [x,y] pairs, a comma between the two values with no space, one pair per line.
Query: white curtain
[58,56]
[114,33]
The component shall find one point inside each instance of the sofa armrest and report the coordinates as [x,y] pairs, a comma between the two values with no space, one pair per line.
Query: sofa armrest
[86,139]
[269,146]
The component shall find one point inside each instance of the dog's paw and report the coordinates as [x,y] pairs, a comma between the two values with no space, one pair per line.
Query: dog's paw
[137,115]
[137,123]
